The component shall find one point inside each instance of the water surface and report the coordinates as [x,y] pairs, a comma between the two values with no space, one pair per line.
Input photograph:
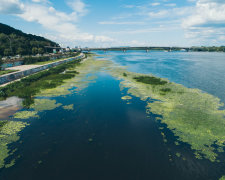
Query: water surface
[106,137]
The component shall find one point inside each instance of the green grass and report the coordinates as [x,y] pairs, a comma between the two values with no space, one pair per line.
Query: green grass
[7,72]
[47,62]
[52,61]
[28,87]
[150,80]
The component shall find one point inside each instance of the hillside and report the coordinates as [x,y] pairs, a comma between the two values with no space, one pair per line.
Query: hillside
[13,41]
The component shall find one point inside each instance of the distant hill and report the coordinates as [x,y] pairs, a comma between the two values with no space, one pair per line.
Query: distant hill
[13,41]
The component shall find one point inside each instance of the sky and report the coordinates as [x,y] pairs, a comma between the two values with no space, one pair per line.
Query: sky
[110,23]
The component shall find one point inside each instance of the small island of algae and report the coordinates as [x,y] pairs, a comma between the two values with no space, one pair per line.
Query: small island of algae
[9,134]
[69,107]
[126,97]
[44,104]
[25,115]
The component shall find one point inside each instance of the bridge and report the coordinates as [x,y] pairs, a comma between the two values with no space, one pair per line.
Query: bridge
[147,49]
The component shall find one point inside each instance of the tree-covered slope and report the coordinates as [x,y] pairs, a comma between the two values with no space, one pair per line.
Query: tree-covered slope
[13,41]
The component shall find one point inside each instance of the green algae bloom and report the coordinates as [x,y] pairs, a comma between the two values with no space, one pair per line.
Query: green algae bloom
[178,154]
[84,77]
[26,115]
[222,178]
[192,115]
[69,107]
[9,134]
[126,98]
[44,104]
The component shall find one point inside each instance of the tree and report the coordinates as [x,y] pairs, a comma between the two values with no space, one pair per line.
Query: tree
[34,50]
[1,62]
[20,51]
[7,52]
[41,51]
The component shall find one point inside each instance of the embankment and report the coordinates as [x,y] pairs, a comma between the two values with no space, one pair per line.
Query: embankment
[17,75]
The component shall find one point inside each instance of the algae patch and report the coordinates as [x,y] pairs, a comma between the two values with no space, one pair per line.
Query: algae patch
[44,104]
[85,75]
[126,98]
[9,134]
[26,115]
[192,115]
[69,107]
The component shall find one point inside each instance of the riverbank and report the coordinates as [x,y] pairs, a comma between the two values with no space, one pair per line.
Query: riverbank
[26,70]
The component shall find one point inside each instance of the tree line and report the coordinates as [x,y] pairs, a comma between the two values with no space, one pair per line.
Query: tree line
[13,42]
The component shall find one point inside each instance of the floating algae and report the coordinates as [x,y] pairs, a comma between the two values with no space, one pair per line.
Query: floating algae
[178,154]
[26,115]
[193,116]
[126,97]
[44,104]
[222,178]
[9,134]
[80,81]
[69,107]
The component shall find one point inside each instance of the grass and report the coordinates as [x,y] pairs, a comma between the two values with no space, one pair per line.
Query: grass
[28,87]
[47,62]
[150,80]
[52,61]
[7,72]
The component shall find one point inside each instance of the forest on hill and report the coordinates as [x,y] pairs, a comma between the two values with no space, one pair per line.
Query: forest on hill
[13,42]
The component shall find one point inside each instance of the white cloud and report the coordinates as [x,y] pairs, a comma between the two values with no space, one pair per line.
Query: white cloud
[171,5]
[207,13]
[121,23]
[60,26]
[78,6]
[103,39]
[11,7]
[40,1]
[155,4]
[207,22]
[158,14]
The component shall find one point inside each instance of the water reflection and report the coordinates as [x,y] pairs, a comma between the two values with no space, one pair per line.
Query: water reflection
[9,107]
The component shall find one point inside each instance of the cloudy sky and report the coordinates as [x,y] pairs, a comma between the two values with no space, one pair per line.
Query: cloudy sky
[104,23]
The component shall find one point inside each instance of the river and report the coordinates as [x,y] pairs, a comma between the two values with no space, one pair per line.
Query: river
[95,127]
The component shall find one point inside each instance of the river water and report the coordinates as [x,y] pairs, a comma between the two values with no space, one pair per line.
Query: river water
[104,137]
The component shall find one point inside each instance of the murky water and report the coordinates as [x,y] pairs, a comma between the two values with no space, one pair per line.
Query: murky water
[88,131]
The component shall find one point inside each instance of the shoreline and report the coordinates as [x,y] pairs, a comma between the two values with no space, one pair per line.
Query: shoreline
[26,70]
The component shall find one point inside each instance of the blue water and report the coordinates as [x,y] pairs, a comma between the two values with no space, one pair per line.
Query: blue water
[202,70]
[104,138]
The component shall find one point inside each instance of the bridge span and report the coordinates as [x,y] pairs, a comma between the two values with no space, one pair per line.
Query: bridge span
[147,49]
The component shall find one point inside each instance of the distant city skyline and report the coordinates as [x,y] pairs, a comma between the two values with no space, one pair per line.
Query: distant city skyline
[98,23]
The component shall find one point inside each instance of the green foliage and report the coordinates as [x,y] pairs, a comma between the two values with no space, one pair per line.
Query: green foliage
[32,60]
[7,72]
[150,80]
[30,86]
[13,42]
[209,49]
[1,62]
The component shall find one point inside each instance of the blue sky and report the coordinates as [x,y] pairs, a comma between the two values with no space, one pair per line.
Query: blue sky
[101,23]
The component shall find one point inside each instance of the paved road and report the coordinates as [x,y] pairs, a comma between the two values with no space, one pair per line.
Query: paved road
[23,67]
